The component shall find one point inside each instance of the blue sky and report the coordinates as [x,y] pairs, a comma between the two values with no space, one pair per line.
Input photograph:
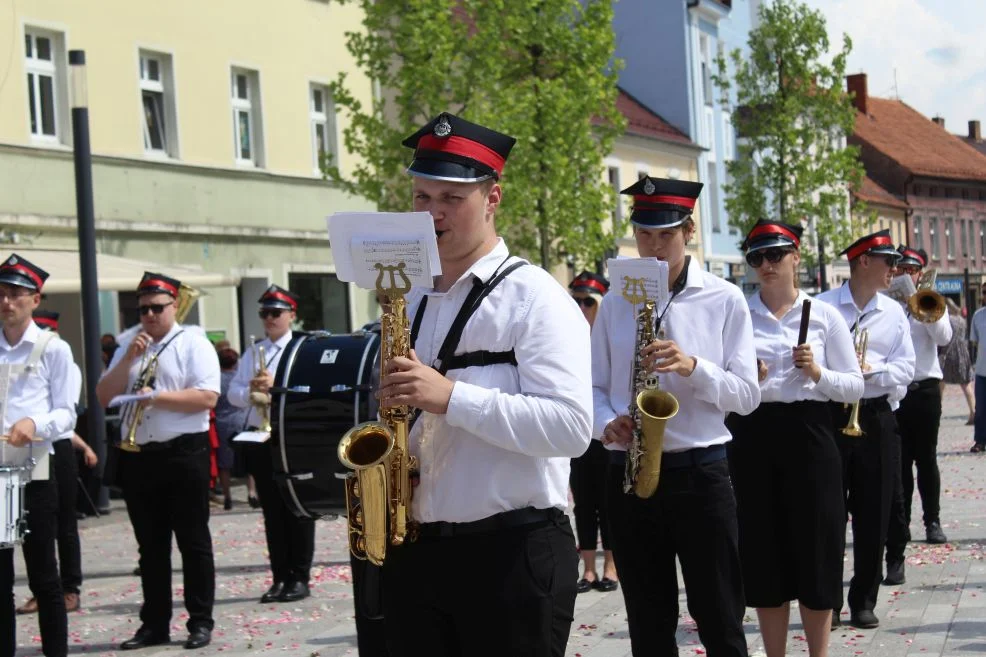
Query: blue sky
[936,47]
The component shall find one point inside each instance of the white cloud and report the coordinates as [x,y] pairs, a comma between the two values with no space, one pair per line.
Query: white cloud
[930,53]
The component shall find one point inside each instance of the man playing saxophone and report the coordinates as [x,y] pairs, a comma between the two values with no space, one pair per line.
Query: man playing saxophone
[706,359]
[290,540]
[870,462]
[494,567]
[166,480]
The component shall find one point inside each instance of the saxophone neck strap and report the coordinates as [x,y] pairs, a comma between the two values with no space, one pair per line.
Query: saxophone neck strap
[157,354]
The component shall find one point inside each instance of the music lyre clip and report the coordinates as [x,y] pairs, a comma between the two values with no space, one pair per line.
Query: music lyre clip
[394,288]
[634,290]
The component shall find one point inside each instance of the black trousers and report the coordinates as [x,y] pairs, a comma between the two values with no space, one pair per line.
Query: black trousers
[919,417]
[509,592]
[692,516]
[290,539]
[65,469]
[588,483]
[41,505]
[870,467]
[371,638]
[167,492]
[8,624]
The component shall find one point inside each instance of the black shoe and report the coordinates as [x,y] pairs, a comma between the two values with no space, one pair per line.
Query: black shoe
[294,591]
[605,585]
[864,619]
[227,504]
[253,502]
[934,534]
[836,621]
[137,571]
[200,637]
[895,573]
[145,637]
[584,585]
[273,593]
[977,448]
[81,515]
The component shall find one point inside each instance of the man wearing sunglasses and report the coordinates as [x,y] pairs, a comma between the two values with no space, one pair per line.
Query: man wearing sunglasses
[871,462]
[166,483]
[290,540]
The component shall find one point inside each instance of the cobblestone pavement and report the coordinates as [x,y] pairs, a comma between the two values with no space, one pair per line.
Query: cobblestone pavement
[941,610]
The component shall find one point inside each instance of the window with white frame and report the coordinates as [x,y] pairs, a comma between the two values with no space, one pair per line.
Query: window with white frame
[965,240]
[613,173]
[933,232]
[321,111]
[247,126]
[918,240]
[43,62]
[705,53]
[711,209]
[157,102]
[950,237]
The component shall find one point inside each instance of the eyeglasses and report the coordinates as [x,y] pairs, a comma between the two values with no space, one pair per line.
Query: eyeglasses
[588,302]
[16,294]
[154,308]
[270,312]
[908,269]
[773,256]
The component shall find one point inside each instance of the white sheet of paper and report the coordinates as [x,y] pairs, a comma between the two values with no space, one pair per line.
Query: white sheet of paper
[120,400]
[252,437]
[628,275]
[389,237]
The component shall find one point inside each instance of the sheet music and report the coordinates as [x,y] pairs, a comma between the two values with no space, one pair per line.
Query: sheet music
[251,437]
[640,278]
[361,240]
[368,251]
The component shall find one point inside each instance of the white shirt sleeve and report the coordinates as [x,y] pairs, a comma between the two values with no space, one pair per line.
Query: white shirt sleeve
[602,408]
[841,380]
[239,388]
[900,360]
[940,331]
[203,372]
[63,389]
[552,415]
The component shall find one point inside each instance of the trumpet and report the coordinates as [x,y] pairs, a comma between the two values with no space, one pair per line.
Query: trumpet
[853,428]
[260,400]
[926,305]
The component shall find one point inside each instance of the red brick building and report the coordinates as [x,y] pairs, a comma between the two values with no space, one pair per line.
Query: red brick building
[940,177]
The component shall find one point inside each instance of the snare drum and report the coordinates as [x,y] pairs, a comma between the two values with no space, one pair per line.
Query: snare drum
[323,387]
[12,520]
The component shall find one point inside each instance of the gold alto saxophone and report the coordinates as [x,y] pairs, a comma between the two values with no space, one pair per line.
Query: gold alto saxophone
[133,414]
[378,491]
[861,342]
[650,407]
[260,400]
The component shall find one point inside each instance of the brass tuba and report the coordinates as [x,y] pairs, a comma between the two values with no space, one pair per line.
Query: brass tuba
[378,491]
[650,407]
[852,428]
[260,400]
[133,414]
[926,305]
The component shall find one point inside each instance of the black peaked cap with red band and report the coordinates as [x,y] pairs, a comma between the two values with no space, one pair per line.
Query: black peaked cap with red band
[878,243]
[589,282]
[15,270]
[766,234]
[277,297]
[456,150]
[153,283]
[661,202]
[46,319]
[912,257]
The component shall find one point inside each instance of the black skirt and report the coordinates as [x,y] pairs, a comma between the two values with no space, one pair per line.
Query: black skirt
[787,476]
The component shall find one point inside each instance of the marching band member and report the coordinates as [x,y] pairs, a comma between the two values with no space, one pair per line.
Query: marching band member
[869,461]
[707,361]
[166,483]
[918,419]
[785,464]
[494,569]
[290,540]
[588,480]
[40,404]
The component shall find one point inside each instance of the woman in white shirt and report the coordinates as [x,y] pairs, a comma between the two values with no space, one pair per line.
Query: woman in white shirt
[784,460]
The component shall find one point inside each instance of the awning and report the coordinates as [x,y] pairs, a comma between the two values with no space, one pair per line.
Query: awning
[114,272]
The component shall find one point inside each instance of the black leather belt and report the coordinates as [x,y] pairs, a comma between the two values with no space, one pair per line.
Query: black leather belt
[181,441]
[874,403]
[924,383]
[689,458]
[494,523]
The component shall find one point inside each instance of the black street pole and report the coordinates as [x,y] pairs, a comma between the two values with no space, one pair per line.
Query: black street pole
[968,300]
[823,284]
[96,423]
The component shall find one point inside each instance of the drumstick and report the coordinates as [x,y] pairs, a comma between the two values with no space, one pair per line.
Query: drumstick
[4,438]
[805,315]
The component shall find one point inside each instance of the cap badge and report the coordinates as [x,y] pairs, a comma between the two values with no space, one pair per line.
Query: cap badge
[443,128]
[649,187]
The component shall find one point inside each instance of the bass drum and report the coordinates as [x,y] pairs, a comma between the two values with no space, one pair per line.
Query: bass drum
[323,387]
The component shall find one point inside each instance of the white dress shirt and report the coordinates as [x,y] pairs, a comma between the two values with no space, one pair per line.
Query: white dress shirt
[75,385]
[46,394]
[926,338]
[709,320]
[239,388]
[889,352]
[188,363]
[831,348]
[508,435]
[977,334]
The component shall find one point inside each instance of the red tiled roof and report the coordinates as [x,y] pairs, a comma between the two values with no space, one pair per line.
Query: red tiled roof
[978,145]
[642,122]
[916,143]
[871,192]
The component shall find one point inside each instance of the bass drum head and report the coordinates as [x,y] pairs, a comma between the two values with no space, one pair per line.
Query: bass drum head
[323,387]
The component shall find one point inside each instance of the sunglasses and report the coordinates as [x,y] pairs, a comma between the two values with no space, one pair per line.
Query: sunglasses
[270,312]
[155,308]
[588,302]
[773,256]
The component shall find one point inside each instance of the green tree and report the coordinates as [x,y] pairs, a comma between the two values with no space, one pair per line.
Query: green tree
[541,71]
[792,114]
